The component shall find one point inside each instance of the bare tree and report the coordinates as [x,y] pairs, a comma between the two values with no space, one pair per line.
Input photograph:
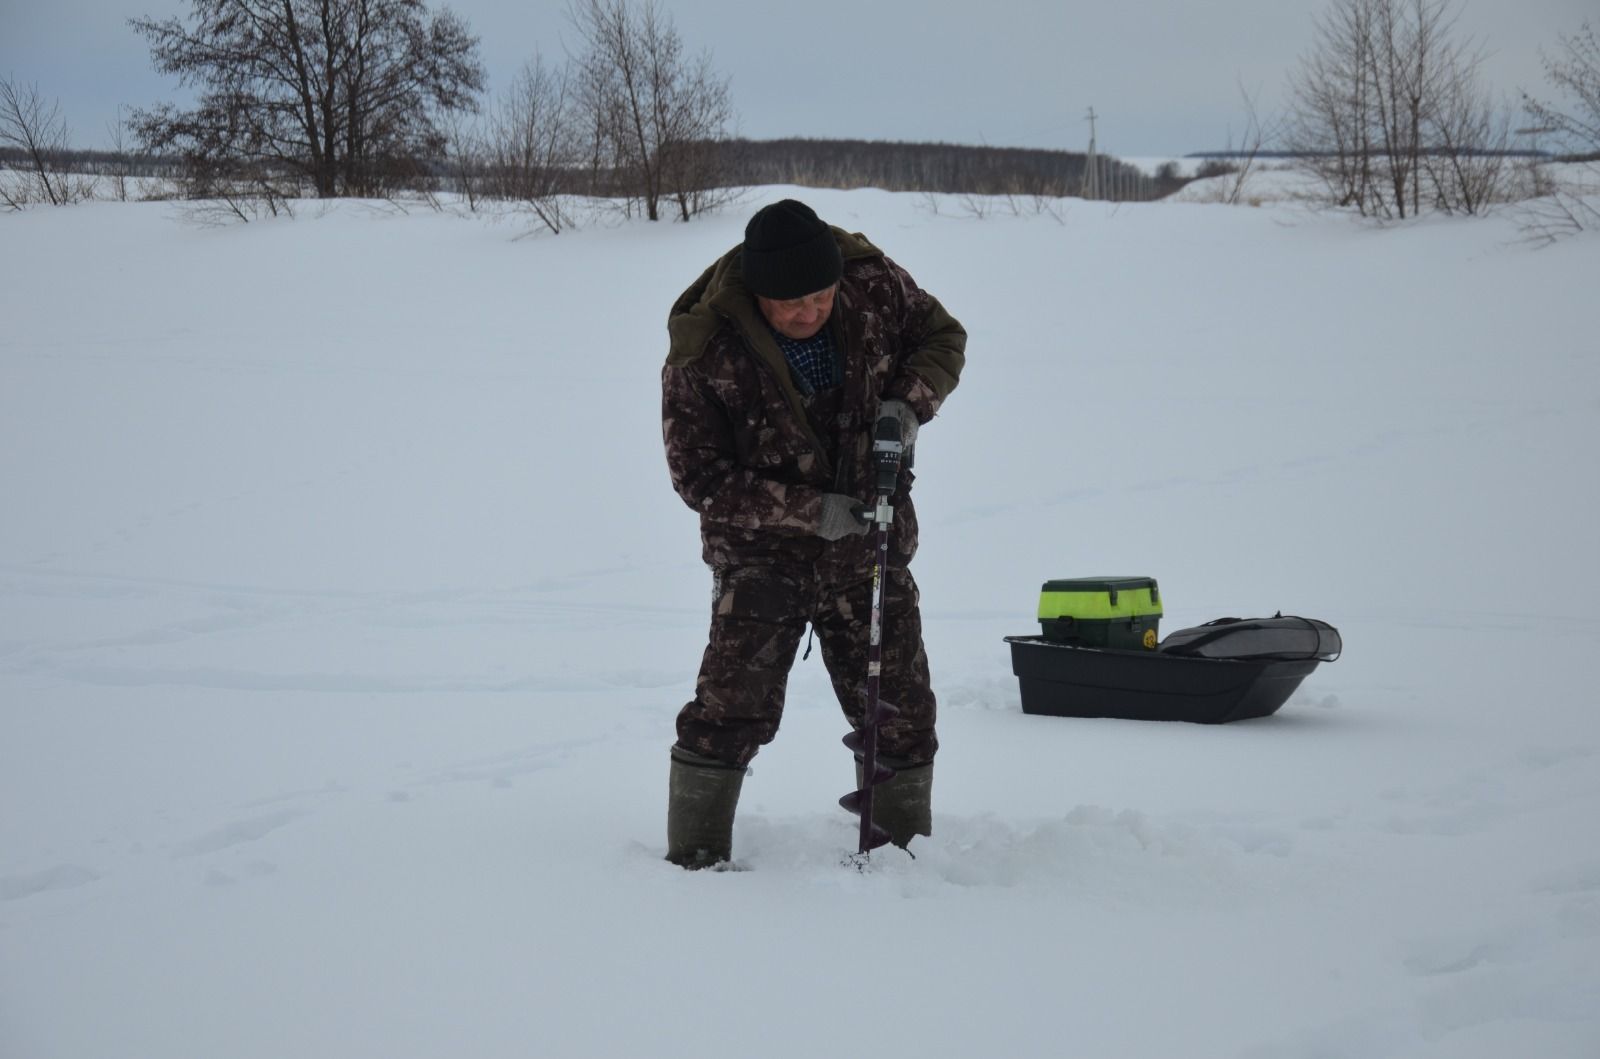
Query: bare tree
[533,148]
[1468,164]
[695,110]
[1389,112]
[117,136]
[35,129]
[1567,206]
[1241,161]
[653,118]
[1575,74]
[1331,122]
[1556,213]
[1415,65]
[1358,100]
[465,154]
[341,96]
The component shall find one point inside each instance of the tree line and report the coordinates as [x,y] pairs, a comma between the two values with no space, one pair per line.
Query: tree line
[365,98]
[932,167]
[331,98]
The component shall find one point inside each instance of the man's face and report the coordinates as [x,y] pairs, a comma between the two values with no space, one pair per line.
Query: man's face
[799,317]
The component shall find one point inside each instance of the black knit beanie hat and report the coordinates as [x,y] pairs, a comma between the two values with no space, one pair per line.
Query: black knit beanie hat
[789,252]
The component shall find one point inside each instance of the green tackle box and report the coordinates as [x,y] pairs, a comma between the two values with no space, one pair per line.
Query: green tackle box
[1121,613]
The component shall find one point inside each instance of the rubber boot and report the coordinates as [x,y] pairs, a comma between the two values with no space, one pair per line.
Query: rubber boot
[903,804]
[701,798]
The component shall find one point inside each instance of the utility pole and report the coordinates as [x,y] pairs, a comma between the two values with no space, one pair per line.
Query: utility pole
[1091,172]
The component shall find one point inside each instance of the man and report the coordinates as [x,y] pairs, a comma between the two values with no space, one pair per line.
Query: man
[784,354]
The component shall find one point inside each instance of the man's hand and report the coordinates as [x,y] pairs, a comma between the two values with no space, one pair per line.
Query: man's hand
[842,516]
[908,421]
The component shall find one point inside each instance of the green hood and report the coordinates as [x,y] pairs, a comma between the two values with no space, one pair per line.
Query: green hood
[720,296]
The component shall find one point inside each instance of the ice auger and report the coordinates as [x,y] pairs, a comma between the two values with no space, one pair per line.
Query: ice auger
[887,451]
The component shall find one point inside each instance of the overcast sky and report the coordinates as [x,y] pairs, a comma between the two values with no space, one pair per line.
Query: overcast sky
[1163,75]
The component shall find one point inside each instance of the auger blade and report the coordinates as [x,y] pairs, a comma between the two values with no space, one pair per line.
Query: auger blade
[857,740]
[877,836]
[886,711]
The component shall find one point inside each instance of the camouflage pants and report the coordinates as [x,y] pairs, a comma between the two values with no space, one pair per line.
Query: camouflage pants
[759,615]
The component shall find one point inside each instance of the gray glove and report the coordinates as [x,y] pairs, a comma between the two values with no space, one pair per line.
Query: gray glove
[908,420]
[842,515]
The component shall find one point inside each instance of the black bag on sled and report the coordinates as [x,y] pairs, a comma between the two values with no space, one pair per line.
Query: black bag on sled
[1279,638]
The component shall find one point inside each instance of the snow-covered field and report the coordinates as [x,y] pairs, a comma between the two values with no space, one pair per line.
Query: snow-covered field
[345,609]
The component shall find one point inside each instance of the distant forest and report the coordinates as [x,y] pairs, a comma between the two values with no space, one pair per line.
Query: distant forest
[937,167]
[96,163]
[892,166]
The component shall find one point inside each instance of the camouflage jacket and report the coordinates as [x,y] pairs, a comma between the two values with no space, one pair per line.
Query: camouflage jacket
[741,447]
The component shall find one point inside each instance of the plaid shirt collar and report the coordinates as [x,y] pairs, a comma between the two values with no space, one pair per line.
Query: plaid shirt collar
[812,360]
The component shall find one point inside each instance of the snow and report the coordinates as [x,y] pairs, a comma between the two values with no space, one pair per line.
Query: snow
[345,610]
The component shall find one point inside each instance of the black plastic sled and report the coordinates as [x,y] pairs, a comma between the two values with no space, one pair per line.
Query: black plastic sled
[1066,680]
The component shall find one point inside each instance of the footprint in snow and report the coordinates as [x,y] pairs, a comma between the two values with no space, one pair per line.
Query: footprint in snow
[256,869]
[236,833]
[1574,879]
[60,877]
